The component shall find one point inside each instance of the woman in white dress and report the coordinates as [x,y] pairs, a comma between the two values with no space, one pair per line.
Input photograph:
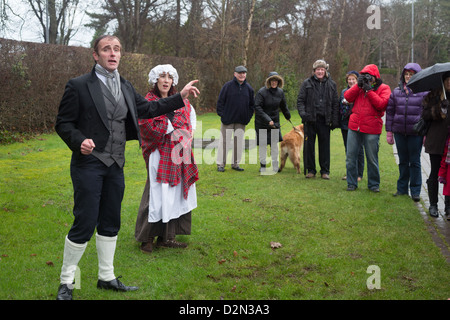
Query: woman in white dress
[169,195]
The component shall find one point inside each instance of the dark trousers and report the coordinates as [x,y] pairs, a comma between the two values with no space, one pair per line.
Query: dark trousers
[433,183]
[322,131]
[98,194]
[409,148]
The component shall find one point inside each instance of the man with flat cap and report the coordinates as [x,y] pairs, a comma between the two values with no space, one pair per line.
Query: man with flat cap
[235,107]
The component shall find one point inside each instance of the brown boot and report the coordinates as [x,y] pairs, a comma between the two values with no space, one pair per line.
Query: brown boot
[170,244]
[147,247]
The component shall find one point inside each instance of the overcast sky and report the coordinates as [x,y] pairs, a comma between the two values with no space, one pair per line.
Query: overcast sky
[25,26]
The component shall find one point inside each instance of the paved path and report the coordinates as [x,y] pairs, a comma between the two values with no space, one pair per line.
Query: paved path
[438,227]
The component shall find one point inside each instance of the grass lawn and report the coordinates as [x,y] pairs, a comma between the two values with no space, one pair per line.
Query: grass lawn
[330,238]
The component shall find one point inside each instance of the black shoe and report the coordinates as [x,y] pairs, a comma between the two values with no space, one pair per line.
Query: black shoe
[64,292]
[434,211]
[399,194]
[237,168]
[351,188]
[375,189]
[416,198]
[115,285]
[220,169]
[447,213]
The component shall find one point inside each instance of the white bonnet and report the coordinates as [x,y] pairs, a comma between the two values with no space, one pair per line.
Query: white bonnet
[160,69]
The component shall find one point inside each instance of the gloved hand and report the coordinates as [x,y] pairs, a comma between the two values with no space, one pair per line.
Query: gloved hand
[367,86]
[360,80]
[390,137]
[442,180]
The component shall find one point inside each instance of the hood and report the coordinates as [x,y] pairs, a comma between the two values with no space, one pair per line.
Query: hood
[372,70]
[274,76]
[412,66]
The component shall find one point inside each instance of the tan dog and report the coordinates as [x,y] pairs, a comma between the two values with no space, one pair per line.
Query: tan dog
[290,146]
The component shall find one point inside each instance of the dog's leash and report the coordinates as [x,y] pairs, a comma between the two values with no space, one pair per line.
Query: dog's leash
[294,126]
[291,123]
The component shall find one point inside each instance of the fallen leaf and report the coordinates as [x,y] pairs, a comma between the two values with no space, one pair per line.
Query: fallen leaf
[33,255]
[221,261]
[233,289]
[275,245]
[247,200]
[235,253]
[49,263]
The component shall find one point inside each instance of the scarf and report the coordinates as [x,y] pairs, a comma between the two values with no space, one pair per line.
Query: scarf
[406,89]
[112,80]
[176,164]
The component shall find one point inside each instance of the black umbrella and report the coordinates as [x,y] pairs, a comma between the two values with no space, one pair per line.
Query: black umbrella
[429,78]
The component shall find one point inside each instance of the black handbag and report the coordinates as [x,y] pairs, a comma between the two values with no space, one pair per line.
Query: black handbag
[421,127]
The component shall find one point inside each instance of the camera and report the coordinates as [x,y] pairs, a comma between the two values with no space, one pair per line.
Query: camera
[367,78]
[364,80]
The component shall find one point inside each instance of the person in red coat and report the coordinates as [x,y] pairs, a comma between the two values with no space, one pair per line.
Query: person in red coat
[444,175]
[370,98]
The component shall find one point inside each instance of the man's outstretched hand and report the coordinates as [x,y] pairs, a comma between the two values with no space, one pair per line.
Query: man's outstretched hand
[190,89]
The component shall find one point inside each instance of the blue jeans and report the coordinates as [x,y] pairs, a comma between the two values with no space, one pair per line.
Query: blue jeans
[370,142]
[409,149]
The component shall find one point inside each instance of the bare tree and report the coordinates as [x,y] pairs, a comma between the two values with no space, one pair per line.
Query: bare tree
[131,17]
[55,18]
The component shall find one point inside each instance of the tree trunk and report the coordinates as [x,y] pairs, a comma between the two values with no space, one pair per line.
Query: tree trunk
[247,34]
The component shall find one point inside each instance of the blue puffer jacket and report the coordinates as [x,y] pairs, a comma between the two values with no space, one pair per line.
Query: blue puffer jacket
[403,109]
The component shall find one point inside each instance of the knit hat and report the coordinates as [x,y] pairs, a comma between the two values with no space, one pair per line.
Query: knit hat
[154,74]
[320,64]
[351,73]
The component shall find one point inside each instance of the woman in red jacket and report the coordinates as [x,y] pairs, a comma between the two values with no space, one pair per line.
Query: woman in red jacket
[444,176]
[370,98]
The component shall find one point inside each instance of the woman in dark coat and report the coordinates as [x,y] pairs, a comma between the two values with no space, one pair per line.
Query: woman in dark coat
[403,111]
[435,107]
[268,101]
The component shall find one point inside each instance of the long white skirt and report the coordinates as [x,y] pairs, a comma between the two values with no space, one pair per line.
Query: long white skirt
[166,202]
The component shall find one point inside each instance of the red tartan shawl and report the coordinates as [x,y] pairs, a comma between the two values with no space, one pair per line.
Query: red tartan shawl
[177,162]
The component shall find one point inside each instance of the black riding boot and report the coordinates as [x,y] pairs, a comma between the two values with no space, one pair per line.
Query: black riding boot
[433,189]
